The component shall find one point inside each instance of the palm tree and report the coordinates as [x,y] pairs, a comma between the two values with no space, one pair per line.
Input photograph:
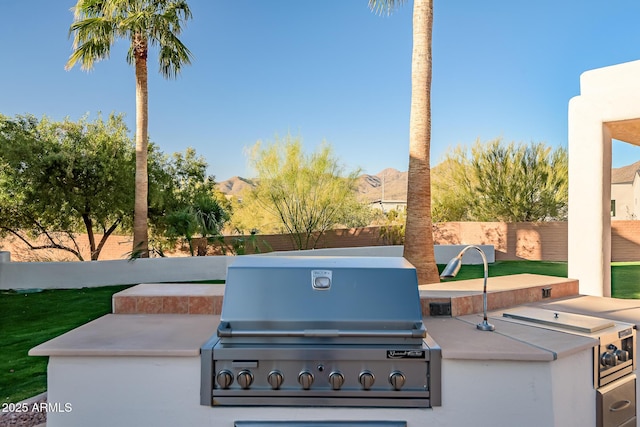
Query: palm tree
[418,246]
[97,24]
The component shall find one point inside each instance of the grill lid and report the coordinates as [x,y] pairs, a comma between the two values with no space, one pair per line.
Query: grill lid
[316,298]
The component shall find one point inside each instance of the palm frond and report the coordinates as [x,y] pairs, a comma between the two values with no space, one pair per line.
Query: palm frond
[385,6]
[99,22]
[88,53]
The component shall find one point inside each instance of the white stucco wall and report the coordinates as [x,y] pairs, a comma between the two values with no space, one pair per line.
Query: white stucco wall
[510,393]
[164,391]
[61,275]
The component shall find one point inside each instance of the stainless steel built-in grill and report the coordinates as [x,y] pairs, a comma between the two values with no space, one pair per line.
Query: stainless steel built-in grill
[321,331]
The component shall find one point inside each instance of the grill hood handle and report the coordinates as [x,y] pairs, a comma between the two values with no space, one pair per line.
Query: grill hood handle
[419,331]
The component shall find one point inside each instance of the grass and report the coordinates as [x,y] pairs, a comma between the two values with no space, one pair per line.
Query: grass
[625,276]
[625,280]
[29,319]
[505,268]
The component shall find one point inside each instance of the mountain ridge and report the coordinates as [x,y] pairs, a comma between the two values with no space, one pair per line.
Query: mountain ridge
[388,184]
[391,184]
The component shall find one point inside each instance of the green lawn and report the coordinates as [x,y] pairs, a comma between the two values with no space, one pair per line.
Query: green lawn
[505,268]
[29,319]
[625,276]
[625,280]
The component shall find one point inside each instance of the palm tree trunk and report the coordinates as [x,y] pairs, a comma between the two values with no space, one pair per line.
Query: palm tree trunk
[418,248]
[140,236]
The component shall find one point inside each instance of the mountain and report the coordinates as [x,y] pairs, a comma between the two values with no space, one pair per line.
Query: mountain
[235,186]
[390,184]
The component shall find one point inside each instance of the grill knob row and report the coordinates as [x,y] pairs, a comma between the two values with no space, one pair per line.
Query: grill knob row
[306,378]
[613,355]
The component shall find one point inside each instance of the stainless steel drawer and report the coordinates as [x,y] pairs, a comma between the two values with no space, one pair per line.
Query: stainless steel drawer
[616,403]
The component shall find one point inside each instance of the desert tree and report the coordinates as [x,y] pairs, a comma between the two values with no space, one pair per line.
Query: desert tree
[61,178]
[298,194]
[495,181]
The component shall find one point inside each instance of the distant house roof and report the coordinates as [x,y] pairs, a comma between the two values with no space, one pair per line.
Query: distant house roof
[625,174]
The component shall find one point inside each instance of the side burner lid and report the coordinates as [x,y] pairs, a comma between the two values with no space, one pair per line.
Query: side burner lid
[571,321]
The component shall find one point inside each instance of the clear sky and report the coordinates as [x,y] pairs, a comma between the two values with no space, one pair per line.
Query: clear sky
[332,71]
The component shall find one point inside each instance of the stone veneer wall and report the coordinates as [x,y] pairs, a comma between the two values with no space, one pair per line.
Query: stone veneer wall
[528,241]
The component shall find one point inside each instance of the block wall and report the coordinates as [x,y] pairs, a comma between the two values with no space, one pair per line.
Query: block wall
[519,241]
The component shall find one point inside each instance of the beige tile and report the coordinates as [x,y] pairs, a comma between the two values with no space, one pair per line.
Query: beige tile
[201,305]
[149,305]
[175,305]
[217,304]
[124,305]
[463,305]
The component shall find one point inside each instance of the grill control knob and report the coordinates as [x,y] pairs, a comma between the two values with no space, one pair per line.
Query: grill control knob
[245,378]
[336,379]
[622,355]
[224,379]
[609,359]
[397,380]
[305,379]
[275,379]
[366,379]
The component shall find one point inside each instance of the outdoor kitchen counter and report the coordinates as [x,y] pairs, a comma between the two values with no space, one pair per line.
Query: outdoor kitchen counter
[169,335]
[459,339]
[164,335]
[145,370]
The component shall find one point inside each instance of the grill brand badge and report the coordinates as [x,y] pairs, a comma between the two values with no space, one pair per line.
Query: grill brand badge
[405,354]
[321,279]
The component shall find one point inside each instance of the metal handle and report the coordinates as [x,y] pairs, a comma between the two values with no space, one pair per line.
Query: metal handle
[620,405]
[225,330]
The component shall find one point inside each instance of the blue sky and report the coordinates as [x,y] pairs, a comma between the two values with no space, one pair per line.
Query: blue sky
[331,71]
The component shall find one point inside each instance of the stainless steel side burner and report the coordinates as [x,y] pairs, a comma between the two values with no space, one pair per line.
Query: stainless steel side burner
[321,331]
[614,358]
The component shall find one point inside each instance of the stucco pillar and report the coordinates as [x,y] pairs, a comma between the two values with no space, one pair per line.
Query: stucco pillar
[589,228]
[608,108]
